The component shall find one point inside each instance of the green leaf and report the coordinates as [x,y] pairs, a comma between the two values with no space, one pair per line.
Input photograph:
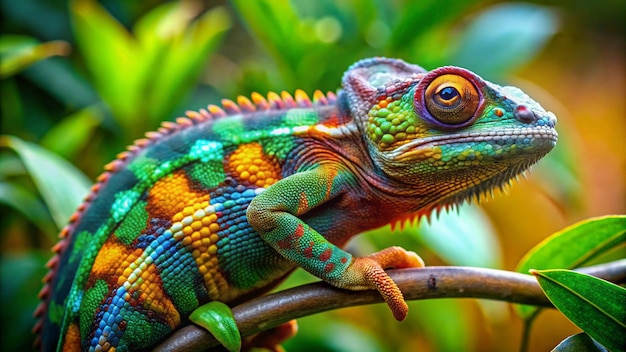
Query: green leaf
[144,77]
[70,135]
[594,305]
[112,57]
[174,74]
[466,239]
[522,30]
[579,342]
[18,52]
[290,39]
[282,37]
[22,200]
[218,319]
[62,186]
[583,241]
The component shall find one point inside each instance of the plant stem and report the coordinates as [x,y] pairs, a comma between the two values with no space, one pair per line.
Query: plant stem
[271,310]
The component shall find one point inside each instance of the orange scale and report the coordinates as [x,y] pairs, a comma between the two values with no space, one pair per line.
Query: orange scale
[195,237]
[250,165]
[206,220]
[188,210]
[214,227]
[200,205]
[146,275]
[107,262]
[187,230]
[196,225]
[170,193]
[72,341]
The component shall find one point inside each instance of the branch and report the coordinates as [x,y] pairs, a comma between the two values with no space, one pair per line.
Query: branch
[271,310]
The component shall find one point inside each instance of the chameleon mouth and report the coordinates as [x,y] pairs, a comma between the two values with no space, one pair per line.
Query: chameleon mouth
[540,139]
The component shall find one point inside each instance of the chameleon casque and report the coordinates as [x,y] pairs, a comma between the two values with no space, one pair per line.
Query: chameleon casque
[224,203]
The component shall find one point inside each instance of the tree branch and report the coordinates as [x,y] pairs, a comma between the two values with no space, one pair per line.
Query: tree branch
[271,310]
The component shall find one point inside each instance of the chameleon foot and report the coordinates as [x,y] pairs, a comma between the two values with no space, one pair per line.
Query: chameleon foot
[368,273]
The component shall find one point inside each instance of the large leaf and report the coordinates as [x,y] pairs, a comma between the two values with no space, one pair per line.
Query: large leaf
[62,186]
[584,241]
[18,52]
[574,246]
[594,305]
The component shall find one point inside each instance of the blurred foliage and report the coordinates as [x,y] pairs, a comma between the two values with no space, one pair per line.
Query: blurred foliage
[82,80]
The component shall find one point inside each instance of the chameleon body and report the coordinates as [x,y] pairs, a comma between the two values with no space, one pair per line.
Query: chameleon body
[222,204]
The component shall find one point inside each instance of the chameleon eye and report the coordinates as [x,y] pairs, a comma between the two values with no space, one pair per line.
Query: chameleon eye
[452,99]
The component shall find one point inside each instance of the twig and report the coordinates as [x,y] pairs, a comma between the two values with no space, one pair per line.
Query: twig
[271,310]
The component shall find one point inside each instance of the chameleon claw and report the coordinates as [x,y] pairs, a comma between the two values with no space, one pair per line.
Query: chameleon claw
[374,276]
[389,291]
[218,319]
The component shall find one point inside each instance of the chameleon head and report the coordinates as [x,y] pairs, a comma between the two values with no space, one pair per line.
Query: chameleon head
[446,134]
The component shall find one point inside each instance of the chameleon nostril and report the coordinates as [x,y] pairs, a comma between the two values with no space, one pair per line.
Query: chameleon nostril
[524,114]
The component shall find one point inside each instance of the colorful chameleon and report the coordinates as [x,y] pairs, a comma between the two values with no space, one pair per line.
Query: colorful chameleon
[223,204]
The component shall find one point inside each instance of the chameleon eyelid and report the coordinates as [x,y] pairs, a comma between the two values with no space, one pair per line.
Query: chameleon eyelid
[451,116]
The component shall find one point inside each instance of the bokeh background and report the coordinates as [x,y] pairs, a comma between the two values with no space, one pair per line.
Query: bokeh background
[82,79]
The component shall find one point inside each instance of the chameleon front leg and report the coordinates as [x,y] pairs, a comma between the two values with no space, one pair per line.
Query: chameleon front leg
[274,214]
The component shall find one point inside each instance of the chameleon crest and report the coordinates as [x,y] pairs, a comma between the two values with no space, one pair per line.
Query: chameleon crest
[224,203]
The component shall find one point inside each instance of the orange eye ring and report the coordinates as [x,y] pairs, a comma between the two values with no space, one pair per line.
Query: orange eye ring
[449,97]
[452,99]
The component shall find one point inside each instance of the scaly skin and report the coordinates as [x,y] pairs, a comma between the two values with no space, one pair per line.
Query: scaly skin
[223,204]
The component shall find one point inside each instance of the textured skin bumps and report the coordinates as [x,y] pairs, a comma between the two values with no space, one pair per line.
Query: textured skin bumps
[222,204]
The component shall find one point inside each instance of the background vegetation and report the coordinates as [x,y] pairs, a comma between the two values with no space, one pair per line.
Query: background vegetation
[82,80]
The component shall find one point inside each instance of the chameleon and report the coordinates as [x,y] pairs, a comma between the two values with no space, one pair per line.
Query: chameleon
[224,203]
